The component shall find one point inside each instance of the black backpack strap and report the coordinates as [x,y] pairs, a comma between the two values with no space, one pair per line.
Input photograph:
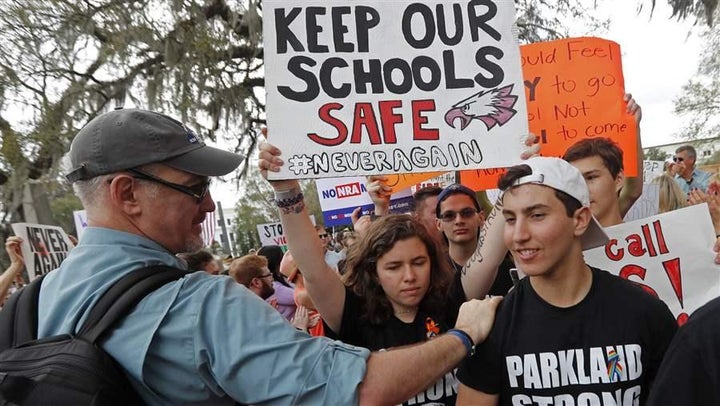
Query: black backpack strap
[123,296]
[19,316]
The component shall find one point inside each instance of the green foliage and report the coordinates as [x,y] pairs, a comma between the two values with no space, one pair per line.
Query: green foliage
[62,208]
[683,9]
[62,62]
[700,99]
[655,154]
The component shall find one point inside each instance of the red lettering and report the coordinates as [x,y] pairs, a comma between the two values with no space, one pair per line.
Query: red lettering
[672,269]
[635,270]
[420,133]
[662,244]
[649,240]
[614,255]
[389,118]
[324,114]
[635,245]
[365,117]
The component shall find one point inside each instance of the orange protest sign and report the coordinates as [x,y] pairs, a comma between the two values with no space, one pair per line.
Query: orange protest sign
[574,89]
[481,179]
[405,180]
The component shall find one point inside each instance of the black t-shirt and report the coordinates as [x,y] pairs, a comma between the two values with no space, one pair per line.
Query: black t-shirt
[357,330]
[690,372]
[606,348]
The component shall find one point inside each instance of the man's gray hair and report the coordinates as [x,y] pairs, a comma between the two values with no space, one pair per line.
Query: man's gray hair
[689,149]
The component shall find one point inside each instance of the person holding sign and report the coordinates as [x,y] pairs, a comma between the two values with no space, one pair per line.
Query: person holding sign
[13,273]
[396,289]
[600,160]
[567,333]
[144,180]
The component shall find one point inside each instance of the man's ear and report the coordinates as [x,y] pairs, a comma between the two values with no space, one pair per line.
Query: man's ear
[122,194]
[581,220]
[620,181]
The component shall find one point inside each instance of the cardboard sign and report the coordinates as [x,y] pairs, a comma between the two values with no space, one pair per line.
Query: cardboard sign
[43,248]
[669,255]
[574,89]
[340,196]
[376,87]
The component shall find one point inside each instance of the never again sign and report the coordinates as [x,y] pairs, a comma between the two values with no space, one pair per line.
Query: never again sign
[369,87]
[44,247]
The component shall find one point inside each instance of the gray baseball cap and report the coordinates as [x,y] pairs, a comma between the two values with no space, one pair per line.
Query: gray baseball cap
[127,138]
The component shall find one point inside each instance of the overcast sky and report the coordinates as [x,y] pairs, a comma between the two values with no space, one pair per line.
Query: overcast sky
[658,58]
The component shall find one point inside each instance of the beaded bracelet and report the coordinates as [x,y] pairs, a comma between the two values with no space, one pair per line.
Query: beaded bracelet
[465,338]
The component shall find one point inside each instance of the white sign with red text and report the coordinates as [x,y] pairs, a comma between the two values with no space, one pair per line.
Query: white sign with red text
[669,255]
[362,87]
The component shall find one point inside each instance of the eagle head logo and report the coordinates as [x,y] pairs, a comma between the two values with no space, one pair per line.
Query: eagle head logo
[492,107]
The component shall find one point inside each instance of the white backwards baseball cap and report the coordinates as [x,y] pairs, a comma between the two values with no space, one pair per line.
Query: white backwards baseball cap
[560,175]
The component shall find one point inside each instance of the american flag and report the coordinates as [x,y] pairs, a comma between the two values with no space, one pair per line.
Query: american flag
[208,229]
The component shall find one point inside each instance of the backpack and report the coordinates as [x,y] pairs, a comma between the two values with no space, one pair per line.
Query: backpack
[70,369]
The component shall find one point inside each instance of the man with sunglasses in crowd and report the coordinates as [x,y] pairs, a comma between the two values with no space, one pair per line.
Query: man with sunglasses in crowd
[683,169]
[459,220]
[143,179]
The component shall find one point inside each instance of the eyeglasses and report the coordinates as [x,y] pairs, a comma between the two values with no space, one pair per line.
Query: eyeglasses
[450,215]
[323,235]
[198,191]
[678,159]
[265,276]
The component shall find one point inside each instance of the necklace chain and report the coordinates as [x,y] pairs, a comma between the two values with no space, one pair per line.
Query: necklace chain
[406,311]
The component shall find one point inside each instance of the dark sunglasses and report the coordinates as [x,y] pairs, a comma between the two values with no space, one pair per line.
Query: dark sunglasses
[198,191]
[323,235]
[678,159]
[450,215]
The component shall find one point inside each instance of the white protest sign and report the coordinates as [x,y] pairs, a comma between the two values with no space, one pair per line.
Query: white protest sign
[340,196]
[669,255]
[378,87]
[272,234]
[652,169]
[80,217]
[43,248]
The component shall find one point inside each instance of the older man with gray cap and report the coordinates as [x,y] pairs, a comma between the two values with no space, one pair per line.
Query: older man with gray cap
[143,178]
[568,334]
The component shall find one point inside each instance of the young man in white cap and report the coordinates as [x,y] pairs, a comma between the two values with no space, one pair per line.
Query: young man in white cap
[568,334]
[143,178]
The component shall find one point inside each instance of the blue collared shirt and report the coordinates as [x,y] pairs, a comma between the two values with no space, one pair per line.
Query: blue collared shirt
[699,180]
[200,340]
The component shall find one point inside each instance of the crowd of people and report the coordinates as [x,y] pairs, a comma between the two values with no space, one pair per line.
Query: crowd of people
[414,308]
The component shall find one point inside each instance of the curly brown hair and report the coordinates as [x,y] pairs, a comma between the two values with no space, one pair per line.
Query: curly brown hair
[380,237]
